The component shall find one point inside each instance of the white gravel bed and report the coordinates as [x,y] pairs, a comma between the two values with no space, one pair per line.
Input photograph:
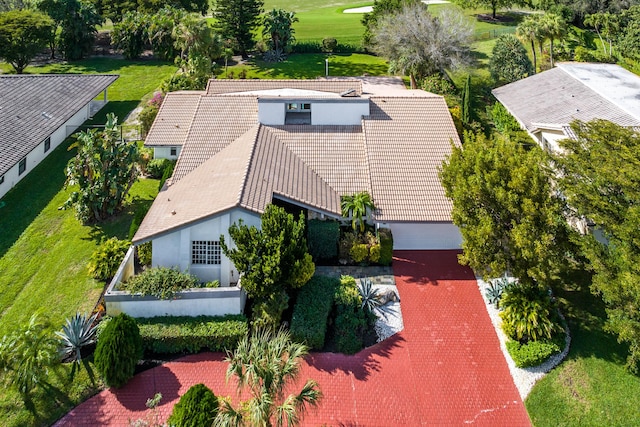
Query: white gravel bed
[524,378]
[391,323]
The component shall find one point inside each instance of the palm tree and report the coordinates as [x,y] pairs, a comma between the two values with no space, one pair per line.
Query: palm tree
[357,207]
[266,363]
[277,25]
[529,30]
[554,28]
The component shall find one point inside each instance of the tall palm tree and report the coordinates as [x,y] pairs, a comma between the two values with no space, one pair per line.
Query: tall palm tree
[266,363]
[529,30]
[357,207]
[277,25]
[554,28]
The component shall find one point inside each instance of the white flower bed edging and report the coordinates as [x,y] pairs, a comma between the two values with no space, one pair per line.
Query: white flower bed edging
[524,378]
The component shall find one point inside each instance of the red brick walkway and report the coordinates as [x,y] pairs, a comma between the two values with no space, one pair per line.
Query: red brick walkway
[445,368]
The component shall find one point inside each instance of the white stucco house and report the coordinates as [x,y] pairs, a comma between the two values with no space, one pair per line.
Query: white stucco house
[546,103]
[242,144]
[38,112]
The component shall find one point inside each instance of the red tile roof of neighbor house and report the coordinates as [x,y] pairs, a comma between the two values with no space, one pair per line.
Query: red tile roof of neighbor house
[230,160]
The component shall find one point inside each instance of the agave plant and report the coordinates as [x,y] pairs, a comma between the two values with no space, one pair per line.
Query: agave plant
[77,333]
[371,298]
[495,289]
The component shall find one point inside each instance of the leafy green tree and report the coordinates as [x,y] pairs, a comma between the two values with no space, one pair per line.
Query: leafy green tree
[273,261]
[607,27]
[530,30]
[161,31]
[118,350]
[599,174]
[630,32]
[104,169]
[237,21]
[357,207]
[77,21]
[23,34]
[27,354]
[131,34]
[554,27]
[266,364]
[278,27]
[383,8]
[509,61]
[421,44]
[508,215]
[194,37]
[494,5]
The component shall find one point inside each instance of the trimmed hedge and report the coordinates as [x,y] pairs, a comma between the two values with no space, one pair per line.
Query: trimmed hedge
[312,310]
[192,334]
[386,246]
[322,238]
[350,318]
[532,353]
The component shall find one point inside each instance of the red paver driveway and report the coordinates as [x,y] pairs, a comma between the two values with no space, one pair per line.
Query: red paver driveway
[445,368]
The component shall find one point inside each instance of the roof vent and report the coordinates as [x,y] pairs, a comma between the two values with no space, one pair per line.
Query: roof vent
[347,92]
[46,115]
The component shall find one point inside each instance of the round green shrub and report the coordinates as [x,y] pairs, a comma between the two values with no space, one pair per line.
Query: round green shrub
[359,252]
[532,353]
[118,350]
[196,408]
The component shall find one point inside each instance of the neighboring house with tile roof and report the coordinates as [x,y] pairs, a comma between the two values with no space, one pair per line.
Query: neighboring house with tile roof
[38,112]
[244,144]
[546,103]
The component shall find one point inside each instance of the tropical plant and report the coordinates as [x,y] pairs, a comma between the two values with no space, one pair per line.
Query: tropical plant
[509,61]
[198,407]
[104,169]
[273,261]
[23,34]
[118,350]
[528,313]
[495,290]
[357,207]
[530,30]
[278,27]
[607,26]
[105,260]
[554,27]
[79,331]
[267,363]
[27,354]
[420,44]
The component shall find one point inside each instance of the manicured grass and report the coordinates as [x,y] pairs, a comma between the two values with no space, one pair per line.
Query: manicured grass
[44,251]
[591,387]
[310,66]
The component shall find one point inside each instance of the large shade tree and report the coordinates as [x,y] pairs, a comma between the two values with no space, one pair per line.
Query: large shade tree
[237,21]
[503,202]
[104,169]
[267,364]
[599,173]
[23,34]
[380,9]
[494,5]
[273,260]
[420,44]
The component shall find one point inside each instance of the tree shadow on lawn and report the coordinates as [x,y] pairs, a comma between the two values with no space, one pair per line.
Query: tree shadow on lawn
[93,65]
[362,364]
[120,224]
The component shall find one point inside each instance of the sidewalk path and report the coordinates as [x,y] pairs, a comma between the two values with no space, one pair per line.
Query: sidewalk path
[444,368]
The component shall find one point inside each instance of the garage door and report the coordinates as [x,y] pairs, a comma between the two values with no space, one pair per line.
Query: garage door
[413,235]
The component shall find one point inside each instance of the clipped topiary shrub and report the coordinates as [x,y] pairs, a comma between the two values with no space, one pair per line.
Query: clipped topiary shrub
[196,408]
[170,335]
[312,310]
[118,350]
[533,353]
[350,319]
[322,239]
[104,262]
[386,246]
[160,282]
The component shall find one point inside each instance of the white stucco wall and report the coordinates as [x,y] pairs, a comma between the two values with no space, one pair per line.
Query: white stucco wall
[548,140]
[271,113]
[174,249]
[35,156]
[339,113]
[165,152]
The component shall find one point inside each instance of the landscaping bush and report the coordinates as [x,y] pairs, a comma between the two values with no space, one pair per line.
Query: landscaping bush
[359,252]
[528,313]
[161,282]
[350,319]
[322,238]
[104,262]
[156,167]
[533,353]
[149,112]
[312,310]
[329,44]
[192,334]
[196,408]
[438,84]
[118,350]
[168,171]
[145,253]
[386,246]
[503,120]
[374,253]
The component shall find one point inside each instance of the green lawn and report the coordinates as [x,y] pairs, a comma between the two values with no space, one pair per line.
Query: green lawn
[591,387]
[44,251]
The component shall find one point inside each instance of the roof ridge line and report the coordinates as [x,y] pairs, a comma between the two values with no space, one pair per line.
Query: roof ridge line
[186,136]
[249,163]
